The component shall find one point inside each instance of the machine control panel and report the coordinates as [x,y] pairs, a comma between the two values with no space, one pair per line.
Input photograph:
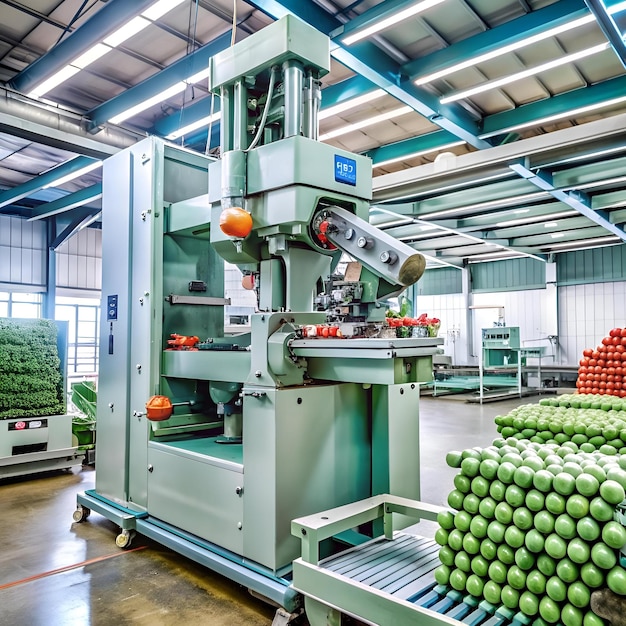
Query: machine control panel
[111,308]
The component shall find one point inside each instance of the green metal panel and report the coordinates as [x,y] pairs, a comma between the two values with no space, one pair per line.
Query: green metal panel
[599,265]
[508,275]
[440,281]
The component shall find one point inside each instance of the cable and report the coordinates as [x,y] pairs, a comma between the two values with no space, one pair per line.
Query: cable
[234,29]
[270,95]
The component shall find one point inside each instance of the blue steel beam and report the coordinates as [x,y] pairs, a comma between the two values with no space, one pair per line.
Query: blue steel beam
[407,147]
[577,200]
[609,27]
[39,182]
[109,18]
[187,115]
[511,32]
[67,203]
[80,218]
[180,70]
[367,60]
[346,90]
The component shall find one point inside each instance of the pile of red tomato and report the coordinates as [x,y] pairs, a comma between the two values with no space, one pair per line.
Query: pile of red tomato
[603,370]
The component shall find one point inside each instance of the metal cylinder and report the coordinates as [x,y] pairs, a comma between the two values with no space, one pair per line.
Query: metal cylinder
[240,115]
[312,100]
[233,178]
[226,120]
[233,425]
[293,79]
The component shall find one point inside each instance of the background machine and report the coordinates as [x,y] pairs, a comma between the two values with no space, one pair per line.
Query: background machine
[213,444]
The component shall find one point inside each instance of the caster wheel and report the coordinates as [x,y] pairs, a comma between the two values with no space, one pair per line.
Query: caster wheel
[124,539]
[81,514]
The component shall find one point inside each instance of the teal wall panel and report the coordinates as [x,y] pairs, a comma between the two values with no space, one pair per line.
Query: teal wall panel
[440,281]
[508,275]
[598,265]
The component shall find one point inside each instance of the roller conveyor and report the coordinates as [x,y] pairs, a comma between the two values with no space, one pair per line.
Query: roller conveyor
[390,579]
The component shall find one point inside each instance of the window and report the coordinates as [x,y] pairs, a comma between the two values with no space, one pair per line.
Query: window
[83,317]
[22,305]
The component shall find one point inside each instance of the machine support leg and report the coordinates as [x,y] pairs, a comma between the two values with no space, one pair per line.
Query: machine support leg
[320,614]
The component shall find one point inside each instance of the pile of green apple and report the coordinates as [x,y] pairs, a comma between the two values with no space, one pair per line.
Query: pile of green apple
[533,523]
[588,421]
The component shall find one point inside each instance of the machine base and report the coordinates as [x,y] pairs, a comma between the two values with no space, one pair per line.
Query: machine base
[35,462]
[256,578]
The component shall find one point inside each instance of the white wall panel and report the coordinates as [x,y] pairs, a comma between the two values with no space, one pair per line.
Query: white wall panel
[22,252]
[586,313]
[79,262]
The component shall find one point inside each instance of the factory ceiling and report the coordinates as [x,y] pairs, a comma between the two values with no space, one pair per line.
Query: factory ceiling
[495,127]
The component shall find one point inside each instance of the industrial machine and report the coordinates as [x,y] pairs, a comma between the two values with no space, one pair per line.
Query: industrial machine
[213,444]
[33,365]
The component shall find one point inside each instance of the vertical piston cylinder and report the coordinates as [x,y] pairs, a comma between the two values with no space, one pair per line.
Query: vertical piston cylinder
[293,79]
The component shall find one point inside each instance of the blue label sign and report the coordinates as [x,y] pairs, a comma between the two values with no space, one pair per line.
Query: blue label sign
[345,170]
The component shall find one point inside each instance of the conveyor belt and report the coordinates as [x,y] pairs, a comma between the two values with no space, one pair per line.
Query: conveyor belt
[404,569]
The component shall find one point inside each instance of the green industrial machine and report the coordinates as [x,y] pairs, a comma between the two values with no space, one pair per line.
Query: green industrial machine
[213,444]
[500,363]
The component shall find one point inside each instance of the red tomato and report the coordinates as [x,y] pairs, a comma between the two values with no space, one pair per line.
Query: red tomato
[623,333]
[609,355]
[615,332]
[592,362]
[618,370]
[587,352]
[610,378]
[624,341]
[619,348]
[603,376]
[583,362]
[606,341]
[618,384]
[616,341]
[610,371]
[610,385]
[601,363]
[622,393]
[595,354]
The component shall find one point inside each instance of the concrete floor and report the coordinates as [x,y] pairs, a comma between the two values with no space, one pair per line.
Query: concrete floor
[54,572]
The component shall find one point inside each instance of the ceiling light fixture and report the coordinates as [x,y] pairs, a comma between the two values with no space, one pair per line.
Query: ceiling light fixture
[389,21]
[552,32]
[489,204]
[185,130]
[370,121]
[587,243]
[77,174]
[415,155]
[532,71]
[350,104]
[535,219]
[571,113]
[557,235]
[124,32]
[550,224]
[497,256]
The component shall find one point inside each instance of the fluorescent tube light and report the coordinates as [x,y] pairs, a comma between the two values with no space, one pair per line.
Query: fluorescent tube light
[596,183]
[550,224]
[160,8]
[93,54]
[146,104]
[420,153]
[185,130]
[609,240]
[552,32]
[536,219]
[350,104]
[497,256]
[489,204]
[389,21]
[557,116]
[136,25]
[68,177]
[557,235]
[532,71]
[54,81]
[370,121]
